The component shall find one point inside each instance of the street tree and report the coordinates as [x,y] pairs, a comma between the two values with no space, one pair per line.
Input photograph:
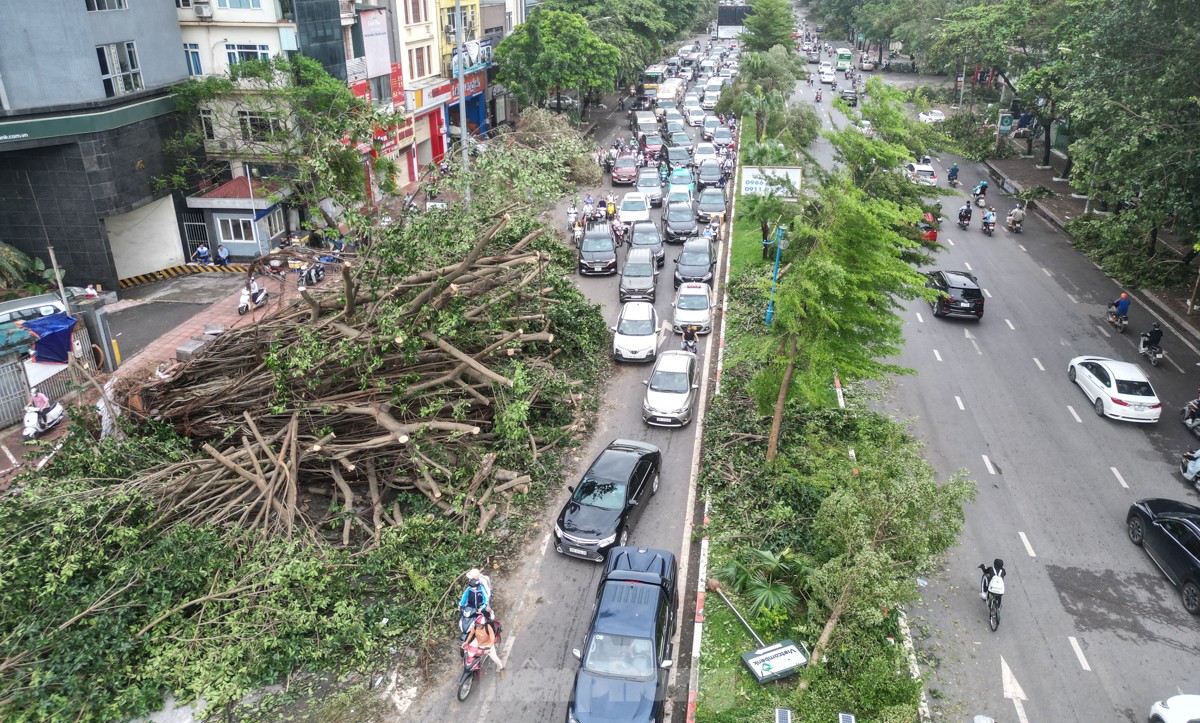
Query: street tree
[634,27]
[758,105]
[835,310]
[768,25]
[551,52]
[302,129]
[881,528]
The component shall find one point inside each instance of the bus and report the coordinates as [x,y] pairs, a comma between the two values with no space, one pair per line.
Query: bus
[654,75]
[845,60]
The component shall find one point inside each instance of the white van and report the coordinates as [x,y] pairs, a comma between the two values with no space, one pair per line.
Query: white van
[671,89]
[715,84]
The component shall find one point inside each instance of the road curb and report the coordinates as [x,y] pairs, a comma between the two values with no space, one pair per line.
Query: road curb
[1030,205]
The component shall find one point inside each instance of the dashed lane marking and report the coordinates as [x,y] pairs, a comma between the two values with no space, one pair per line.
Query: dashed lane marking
[960,404]
[920,319]
[988,463]
[968,266]
[1039,364]
[1028,547]
[936,355]
[1119,477]
[987,293]
[1079,653]
[1074,413]
[1104,331]
[1010,325]
[1073,299]
[1046,271]
[1022,247]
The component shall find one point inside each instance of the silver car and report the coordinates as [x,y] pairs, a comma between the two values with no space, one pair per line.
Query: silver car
[635,336]
[671,390]
[649,183]
[693,307]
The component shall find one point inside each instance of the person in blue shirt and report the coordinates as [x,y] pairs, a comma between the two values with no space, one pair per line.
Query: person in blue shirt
[953,175]
[477,597]
[1122,304]
[980,189]
[990,216]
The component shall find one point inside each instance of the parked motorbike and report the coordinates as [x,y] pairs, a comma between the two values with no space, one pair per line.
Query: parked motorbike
[35,425]
[1120,321]
[251,294]
[311,274]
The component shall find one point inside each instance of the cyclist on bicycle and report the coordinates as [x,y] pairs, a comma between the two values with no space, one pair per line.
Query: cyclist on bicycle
[992,580]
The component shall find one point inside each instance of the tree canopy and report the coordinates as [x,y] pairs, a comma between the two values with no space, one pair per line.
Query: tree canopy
[554,51]
[768,25]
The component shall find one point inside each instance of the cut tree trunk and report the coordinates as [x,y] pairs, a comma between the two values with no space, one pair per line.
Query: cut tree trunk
[781,400]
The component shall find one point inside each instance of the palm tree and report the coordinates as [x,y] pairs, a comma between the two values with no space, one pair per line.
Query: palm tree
[759,104]
[767,153]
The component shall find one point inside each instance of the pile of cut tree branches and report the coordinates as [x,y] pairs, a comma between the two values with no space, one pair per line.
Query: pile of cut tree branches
[333,409]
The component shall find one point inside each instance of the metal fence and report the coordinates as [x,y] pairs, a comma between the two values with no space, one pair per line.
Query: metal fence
[14,389]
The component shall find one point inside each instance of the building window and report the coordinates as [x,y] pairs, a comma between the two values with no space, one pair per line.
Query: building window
[96,5]
[206,125]
[183,4]
[240,52]
[119,68]
[381,89]
[418,61]
[240,4]
[236,229]
[256,126]
[191,53]
[274,223]
[414,11]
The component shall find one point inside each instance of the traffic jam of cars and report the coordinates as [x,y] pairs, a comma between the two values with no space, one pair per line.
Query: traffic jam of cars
[678,200]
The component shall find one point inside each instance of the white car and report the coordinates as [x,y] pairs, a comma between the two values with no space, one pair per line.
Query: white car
[933,116]
[825,66]
[634,207]
[703,152]
[865,127]
[693,306]
[1176,709]
[695,114]
[921,174]
[635,336]
[827,77]
[1115,388]
[687,73]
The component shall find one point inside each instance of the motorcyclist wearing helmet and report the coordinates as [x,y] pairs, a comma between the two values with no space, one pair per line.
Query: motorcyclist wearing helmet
[996,570]
[980,189]
[989,216]
[477,597]
[964,213]
[1122,304]
[1150,338]
[1015,216]
[953,173]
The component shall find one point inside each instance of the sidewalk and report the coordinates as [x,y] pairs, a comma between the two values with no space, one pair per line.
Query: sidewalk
[1017,174]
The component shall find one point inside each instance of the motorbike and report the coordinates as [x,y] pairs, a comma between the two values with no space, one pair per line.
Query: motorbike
[989,227]
[952,181]
[981,199]
[474,659]
[618,232]
[1015,226]
[251,294]
[572,214]
[818,96]
[577,234]
[964,222]
[1190,415]
[1153,353]
[688,345]
[1185,460]
[1118,320]
[311,274]
[35,425]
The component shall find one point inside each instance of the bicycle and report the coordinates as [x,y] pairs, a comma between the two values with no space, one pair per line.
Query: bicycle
[995,593]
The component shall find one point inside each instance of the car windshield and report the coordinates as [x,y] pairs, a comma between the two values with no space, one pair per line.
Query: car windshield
[670,382]
[645,238]
[621,656]
[605,494]
[633,204]
[625,162]
[1134,388]
[596,243]
[653,140]
[693,258]
[636,327]
[710,201]
[692,302]
[679,213]
[677,154]
[638,269]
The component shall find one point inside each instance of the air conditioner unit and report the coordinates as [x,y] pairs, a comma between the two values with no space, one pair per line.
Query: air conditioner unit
[203,11]
[224,145]
[449,30]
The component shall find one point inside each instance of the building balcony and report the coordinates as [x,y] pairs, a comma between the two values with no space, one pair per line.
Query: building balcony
[349,16]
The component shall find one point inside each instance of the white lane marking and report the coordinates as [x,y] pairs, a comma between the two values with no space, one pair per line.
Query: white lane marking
[968,266]
[1039,364]
[1010,326]
[1073,299]
[936,355]
[988,462]
[987,293]
[1119,477]
[1074,414]
[960,404]
[920,319]
[8,454]
[1028,547]
[1012,689]
[507,649]
[1046,271]
[546,543]
[1079,653]
[1174,364]
[1104,331]
[1022,247]
[971,337]
[949,242]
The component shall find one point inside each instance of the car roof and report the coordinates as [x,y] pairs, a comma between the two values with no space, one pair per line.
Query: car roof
[637,310]
[922,167]
[638,254]
[1174,508]
[648,173]
[959,279]
[1120,369]
[711,192]
[598,230]
[693,287]
[673,360]
[633,196]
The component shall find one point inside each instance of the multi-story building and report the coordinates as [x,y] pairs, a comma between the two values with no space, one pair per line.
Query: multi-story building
[472,63]
[415,43]
[238,208]
[84,111]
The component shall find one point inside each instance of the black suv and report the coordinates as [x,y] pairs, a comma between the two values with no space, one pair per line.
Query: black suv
[609,498]
[1169,531]
[626,657]
[679,221]
[597,252]
[850,96]
[960,294]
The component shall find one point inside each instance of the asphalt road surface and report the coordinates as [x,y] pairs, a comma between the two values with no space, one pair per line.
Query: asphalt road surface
[546,607]
[165,305]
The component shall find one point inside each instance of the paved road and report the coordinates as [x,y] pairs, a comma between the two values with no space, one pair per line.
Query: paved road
[147,312]
[548,615]
[1091,629]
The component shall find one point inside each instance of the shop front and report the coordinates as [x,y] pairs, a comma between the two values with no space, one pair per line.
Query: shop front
[475,87]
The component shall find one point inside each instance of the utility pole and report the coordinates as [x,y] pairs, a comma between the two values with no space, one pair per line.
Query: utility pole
[462,97]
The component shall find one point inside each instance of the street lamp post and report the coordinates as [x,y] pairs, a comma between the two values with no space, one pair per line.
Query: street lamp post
[780,245]
[462,98]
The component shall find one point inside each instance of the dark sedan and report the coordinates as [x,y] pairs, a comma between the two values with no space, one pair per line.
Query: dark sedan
[711,206]
[709,173]
[608,500]
[645,235]
[597,252]
[1169,532]
[696,262]
[679,157]
[679,222]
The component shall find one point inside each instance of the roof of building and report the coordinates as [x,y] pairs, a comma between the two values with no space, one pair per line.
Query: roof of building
[240,187]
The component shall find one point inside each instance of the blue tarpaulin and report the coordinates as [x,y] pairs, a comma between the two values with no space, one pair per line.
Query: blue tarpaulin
[52,336]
